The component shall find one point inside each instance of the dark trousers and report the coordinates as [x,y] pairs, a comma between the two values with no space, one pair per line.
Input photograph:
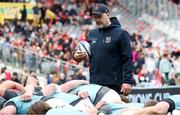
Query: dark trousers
[117,88]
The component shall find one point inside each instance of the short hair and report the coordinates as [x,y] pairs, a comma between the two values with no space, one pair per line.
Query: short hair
[125,99]
[15,74]
[150,103]
[177,75]
[39,107]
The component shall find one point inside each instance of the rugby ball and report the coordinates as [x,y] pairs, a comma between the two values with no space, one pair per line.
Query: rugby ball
[84,46]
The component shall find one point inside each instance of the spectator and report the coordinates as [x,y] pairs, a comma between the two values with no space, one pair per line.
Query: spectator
[2,75]
[23,14]
[7,74]
[165,66]
[15,77]
[139,63]
[71,77]
[49,79]
[79,75]
[36,14]
[43,10]
[55,77]
[62,79]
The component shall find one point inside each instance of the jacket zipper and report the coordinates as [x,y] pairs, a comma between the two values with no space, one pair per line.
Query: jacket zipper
[99,47]
[115,77]
[116,74]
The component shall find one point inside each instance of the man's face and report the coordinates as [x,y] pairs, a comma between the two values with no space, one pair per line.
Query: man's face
[101,20]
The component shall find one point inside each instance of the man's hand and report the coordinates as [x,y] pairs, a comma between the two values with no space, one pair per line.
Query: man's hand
[26,97]
[99,105]
[83,94]
[126,89]
[79,56]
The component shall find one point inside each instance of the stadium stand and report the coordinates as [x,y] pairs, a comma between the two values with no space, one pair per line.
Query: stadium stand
[46,48]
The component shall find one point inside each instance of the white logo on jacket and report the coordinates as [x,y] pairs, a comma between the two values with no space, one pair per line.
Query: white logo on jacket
[107,40]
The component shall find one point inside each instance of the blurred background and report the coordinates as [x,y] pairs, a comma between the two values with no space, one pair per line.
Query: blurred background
[37,37]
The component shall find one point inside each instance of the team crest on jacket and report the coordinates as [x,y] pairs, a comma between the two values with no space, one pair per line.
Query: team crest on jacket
[107,40]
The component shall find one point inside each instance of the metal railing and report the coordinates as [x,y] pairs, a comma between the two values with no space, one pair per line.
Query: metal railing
[28,60]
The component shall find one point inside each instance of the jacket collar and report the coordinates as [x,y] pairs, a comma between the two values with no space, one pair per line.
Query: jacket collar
[114,23]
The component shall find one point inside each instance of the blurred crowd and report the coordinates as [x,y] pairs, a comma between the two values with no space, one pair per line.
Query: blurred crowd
[155,64]
[37,44]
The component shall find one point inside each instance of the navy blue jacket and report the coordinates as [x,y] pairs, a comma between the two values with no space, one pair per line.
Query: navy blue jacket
[111,55]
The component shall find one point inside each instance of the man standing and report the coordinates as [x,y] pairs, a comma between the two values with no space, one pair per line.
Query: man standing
[36,12]
[23,14]
[43,10]
[111,54]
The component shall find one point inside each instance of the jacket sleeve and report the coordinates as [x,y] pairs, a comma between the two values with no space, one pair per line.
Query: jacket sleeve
[127,57]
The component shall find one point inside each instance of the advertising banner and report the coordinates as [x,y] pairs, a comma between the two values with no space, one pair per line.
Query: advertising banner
[144,94]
